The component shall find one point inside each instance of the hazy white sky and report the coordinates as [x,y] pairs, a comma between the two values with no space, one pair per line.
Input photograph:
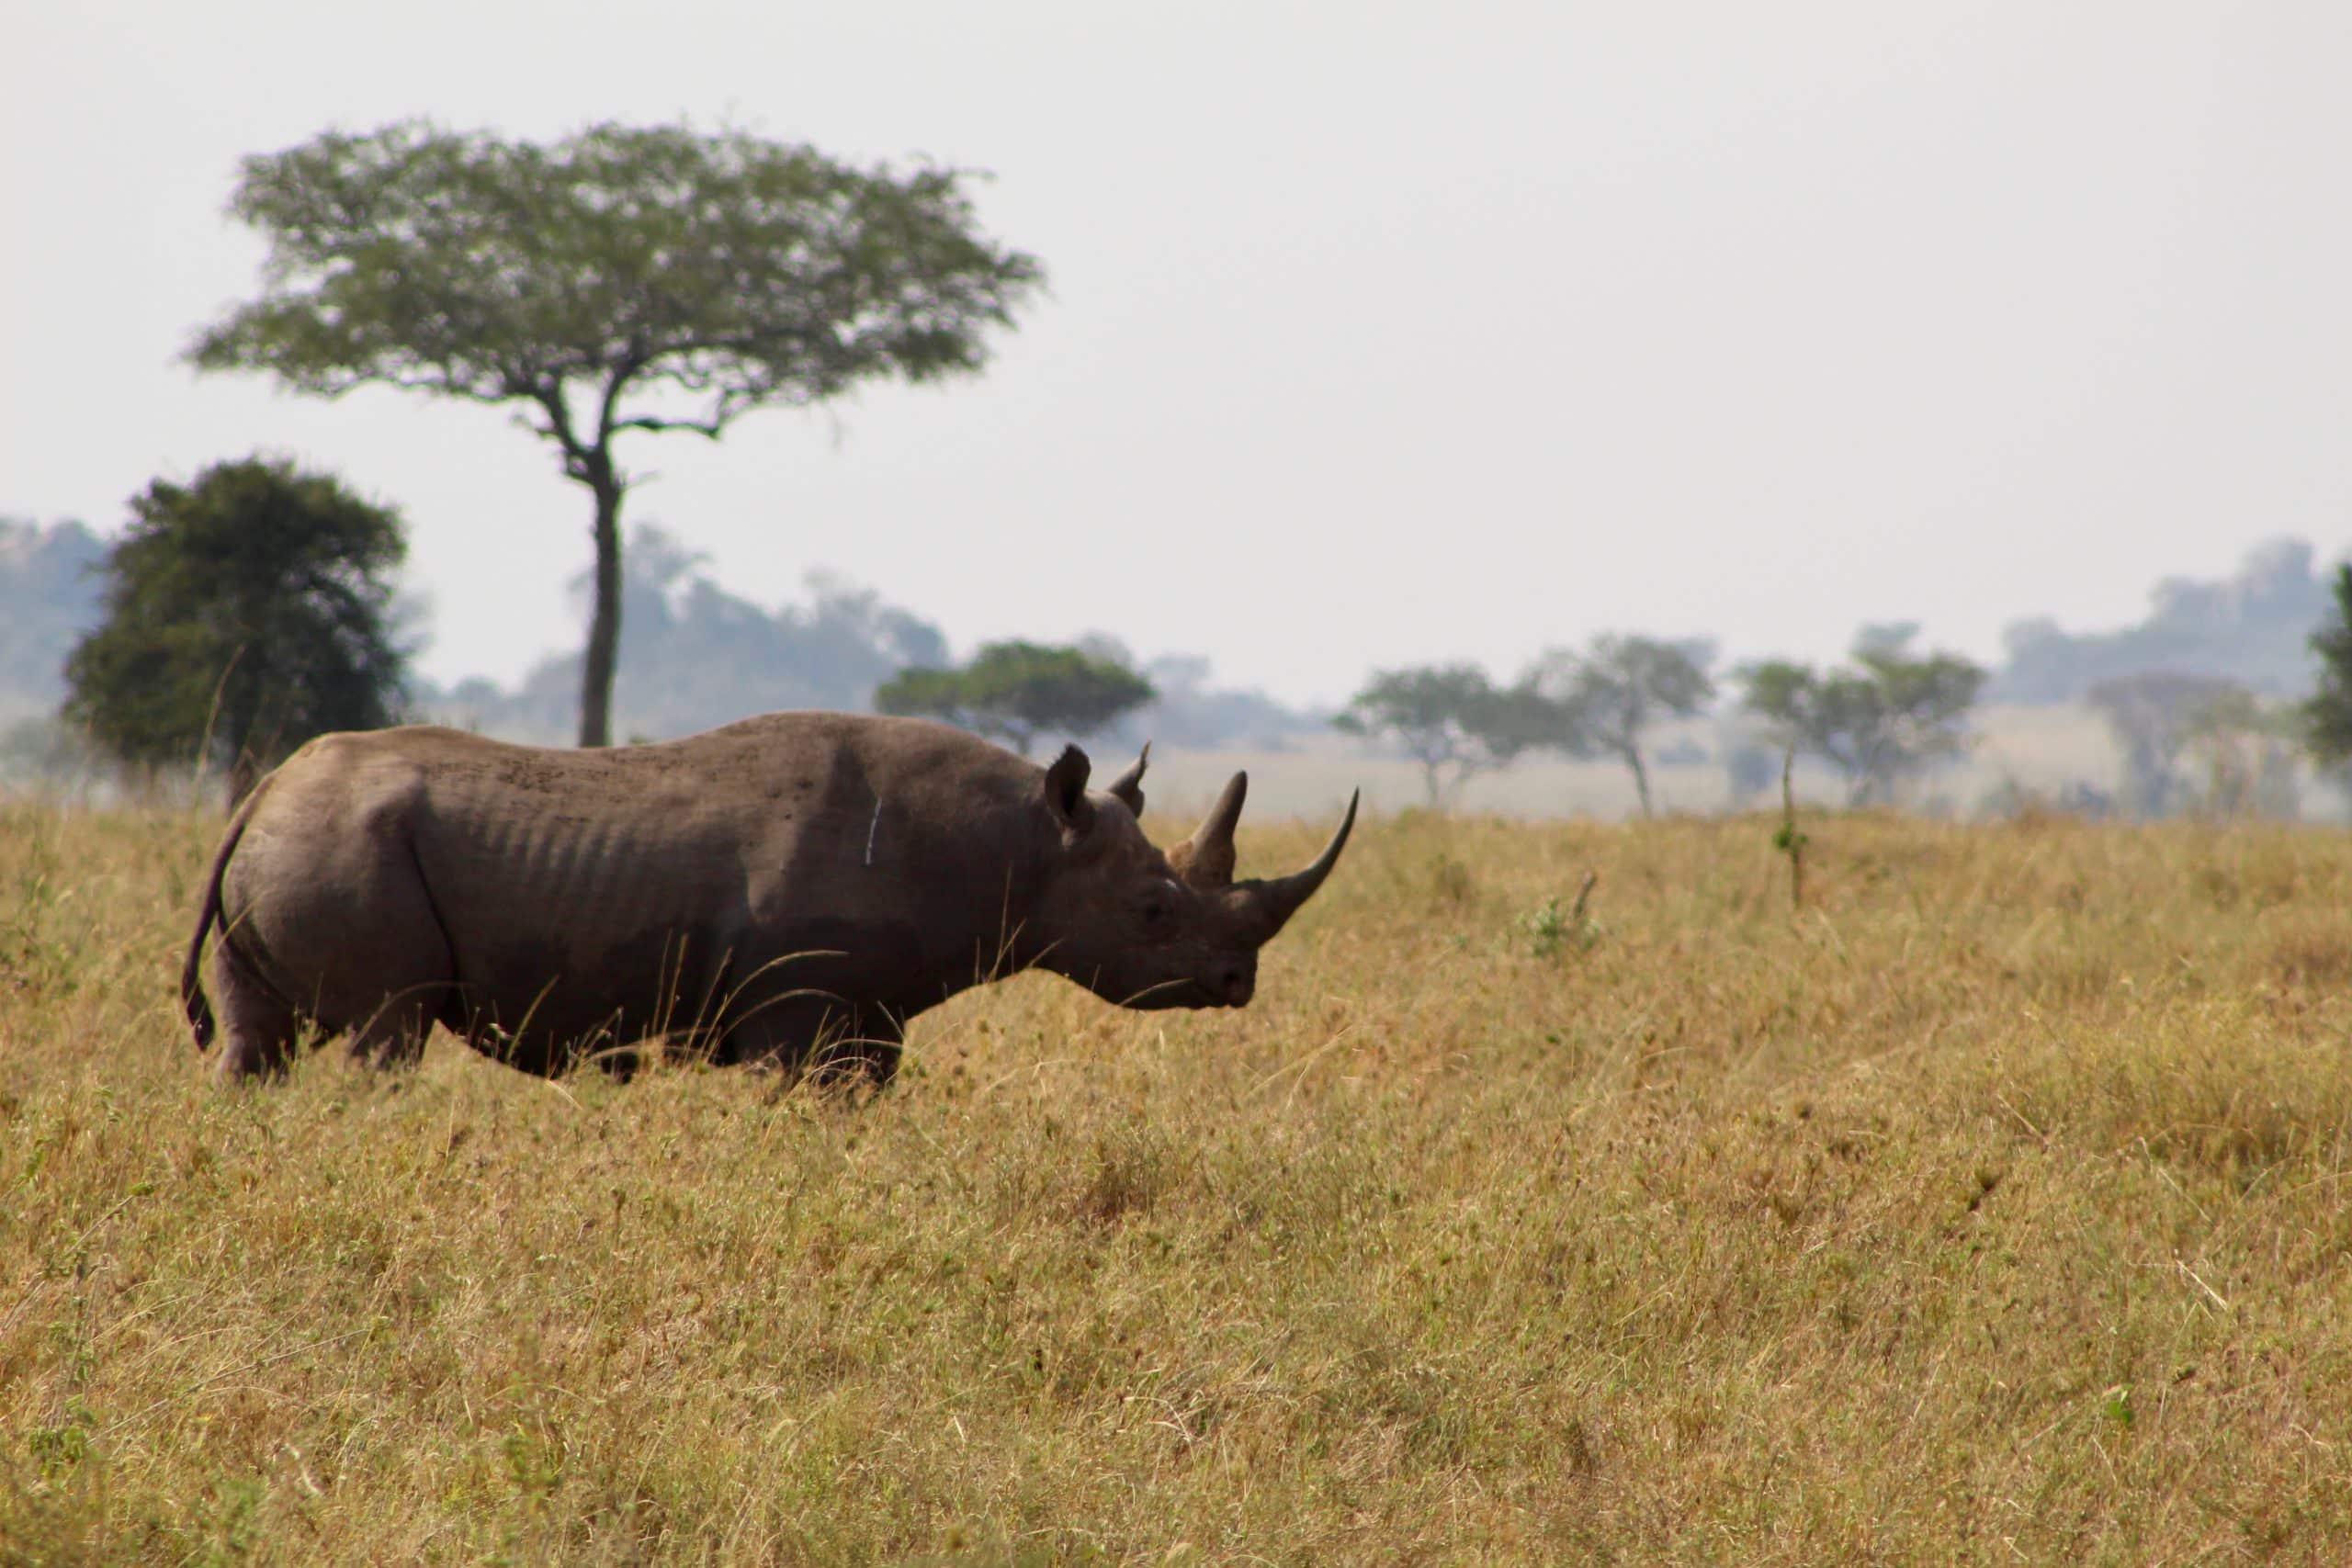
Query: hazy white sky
[1377,334]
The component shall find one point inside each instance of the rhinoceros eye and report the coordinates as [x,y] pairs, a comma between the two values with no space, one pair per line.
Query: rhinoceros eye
[1158,909]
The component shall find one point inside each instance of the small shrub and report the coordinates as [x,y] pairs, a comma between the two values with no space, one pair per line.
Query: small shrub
[1549,930]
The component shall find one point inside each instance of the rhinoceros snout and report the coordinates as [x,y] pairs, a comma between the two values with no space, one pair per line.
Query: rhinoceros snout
[1235,982]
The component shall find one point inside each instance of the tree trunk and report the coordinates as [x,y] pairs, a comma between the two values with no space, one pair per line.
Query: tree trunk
[1641,777]
[604,622]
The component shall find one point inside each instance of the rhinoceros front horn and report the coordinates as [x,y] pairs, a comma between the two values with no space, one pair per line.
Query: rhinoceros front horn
[1275,901]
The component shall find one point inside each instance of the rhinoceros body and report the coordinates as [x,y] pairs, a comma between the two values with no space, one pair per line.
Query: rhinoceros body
[790,889]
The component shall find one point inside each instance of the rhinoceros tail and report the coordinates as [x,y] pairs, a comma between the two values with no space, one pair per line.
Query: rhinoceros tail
[207,913]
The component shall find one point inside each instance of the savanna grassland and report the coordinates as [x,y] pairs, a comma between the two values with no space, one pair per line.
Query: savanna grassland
[1991,1208]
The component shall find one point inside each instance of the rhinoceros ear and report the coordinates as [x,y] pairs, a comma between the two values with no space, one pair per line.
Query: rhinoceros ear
[1065,789]
[1127,788]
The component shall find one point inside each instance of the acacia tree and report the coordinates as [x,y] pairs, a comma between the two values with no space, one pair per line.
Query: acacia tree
[1888,713]
[622,279]
[1448,716]
[1608,696]
[2157,718]
[244,614]
[1018,690]
[2245,748]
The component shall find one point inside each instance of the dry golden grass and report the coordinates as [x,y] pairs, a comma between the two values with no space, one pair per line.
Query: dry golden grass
[1991,1209]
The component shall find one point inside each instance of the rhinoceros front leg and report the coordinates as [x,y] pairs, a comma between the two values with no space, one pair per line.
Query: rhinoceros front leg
[394,1037]
[862,1054]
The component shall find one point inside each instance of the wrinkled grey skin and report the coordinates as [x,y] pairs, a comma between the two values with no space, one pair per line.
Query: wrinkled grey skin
[789,890]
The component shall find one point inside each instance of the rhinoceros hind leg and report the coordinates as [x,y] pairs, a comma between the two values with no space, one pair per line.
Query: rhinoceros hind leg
[384,982]
[257,1028]
[394,1037]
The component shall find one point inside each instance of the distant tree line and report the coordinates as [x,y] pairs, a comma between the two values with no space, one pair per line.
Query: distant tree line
[1883,718]
[252,607]
[2251,629]
[2189,742]
[247,611]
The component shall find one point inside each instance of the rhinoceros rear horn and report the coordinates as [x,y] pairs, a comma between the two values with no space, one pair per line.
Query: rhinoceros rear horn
[1205,860]
[1127,788]
[1275,901]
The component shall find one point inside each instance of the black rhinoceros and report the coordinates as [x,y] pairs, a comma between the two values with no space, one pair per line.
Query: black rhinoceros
[789,889]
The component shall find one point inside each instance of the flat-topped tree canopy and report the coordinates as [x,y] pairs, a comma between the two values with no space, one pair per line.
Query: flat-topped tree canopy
[1017,691]
[622,278]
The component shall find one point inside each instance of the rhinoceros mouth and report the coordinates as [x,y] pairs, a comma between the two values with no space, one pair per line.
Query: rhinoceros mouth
[1186,993]
[1192,993]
